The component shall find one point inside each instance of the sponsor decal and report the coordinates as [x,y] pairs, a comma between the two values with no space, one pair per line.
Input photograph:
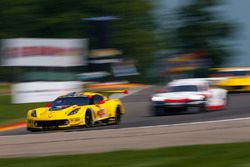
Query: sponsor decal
[40,50]
[43,52]
[101,113]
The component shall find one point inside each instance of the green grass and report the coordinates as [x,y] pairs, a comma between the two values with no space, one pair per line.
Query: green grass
[14,112]
[224,155]
[4,87]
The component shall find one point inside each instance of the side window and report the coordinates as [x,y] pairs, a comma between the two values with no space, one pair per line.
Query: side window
[96,99]
[204,87]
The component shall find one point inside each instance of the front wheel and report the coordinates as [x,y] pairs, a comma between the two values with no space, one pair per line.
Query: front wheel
[158,111]
[203,108]
[33,130]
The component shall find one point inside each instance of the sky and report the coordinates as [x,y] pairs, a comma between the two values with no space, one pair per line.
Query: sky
[236,11]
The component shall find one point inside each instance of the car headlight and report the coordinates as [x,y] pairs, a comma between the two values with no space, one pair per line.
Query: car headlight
[157,98]
[33,113]
[73,112]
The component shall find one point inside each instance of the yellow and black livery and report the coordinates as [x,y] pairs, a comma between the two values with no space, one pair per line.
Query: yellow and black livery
[83,109]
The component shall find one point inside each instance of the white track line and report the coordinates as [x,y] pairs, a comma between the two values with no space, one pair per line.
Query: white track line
[200,122]
[181,124]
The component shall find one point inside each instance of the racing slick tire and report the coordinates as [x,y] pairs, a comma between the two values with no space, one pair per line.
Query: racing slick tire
[158,111]
[118,116]
[197,109]
[88,119]
[226,102]
[203,108]
[33,130]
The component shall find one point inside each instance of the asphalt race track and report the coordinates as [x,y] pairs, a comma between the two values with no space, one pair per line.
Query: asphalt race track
[138,113]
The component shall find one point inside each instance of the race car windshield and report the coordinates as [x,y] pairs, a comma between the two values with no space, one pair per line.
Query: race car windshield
[183,88]
[70,101]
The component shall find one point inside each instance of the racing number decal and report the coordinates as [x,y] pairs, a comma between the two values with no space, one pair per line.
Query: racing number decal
[101,112]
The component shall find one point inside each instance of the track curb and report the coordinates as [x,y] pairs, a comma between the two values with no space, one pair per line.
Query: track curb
[12,126]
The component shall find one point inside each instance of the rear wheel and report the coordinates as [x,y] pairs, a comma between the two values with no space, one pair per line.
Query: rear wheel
[118,116]
[226,102]
[88,119]
[203,107]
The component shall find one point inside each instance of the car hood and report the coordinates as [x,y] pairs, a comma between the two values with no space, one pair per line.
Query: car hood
[46,113]
[174,95]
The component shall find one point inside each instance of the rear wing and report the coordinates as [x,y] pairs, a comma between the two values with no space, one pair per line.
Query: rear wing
[104,92]
[108,92]
[112,91]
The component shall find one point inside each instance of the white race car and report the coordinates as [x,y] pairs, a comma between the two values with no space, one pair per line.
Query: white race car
[191,95]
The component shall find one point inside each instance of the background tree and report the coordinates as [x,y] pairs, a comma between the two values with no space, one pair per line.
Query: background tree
[200,28]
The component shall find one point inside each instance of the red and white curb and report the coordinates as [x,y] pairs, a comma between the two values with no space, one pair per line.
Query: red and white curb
[12,126]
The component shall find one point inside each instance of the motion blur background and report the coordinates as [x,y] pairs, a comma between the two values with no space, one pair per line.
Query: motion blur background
[76,42]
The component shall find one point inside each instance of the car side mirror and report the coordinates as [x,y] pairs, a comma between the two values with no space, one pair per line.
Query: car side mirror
[48,104]
[101,102]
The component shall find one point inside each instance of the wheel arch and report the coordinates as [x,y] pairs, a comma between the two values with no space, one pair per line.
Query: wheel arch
[120,107]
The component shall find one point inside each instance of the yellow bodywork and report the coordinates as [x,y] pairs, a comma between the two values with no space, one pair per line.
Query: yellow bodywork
[105,112]
[235,84]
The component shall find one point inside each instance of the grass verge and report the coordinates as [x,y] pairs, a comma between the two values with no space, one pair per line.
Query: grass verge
[4,87]
[223,155]
[14,112]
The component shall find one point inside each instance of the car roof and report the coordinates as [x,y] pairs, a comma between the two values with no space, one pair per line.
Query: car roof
[80,94]
[193,81]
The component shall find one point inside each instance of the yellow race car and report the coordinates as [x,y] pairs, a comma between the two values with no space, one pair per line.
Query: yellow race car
[234,79]
[235,84]
[84,109]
